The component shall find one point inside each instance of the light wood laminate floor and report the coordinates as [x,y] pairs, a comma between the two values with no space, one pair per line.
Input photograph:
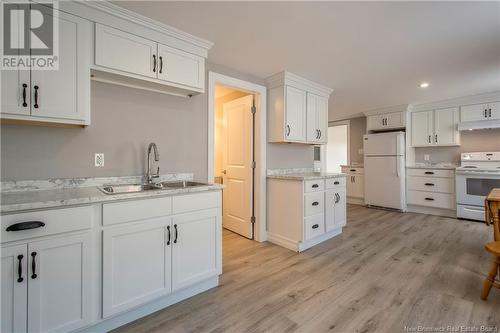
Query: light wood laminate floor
[386,271]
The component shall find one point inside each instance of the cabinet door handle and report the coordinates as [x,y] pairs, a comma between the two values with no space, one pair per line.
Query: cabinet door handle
[25,226]
[33,265]
[337,196]
[161,64]
[24,95]
[175,228]
[287,130]
[319,134]
[169,235]
[315,186]
[154,62]
[315,203]
[315,226]
[489,113]
[20,268]
[429,199]
[336,182]
[36,97]
[429,184]
[485,113]
[429,172]
[436,138]
[429,139]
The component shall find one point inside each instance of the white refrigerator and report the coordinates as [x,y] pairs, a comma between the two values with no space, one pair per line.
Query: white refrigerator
[385,170]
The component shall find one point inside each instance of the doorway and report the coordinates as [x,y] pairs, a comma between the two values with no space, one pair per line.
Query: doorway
[237,148]
[337,148]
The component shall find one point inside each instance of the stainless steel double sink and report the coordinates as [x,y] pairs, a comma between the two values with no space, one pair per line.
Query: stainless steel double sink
[132,188]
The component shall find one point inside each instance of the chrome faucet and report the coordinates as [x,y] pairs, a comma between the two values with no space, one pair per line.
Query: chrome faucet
[149,175]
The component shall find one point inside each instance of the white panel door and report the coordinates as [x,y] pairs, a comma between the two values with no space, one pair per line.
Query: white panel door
[65,93]
[237,163]
[122,51]
[60,286]
[16,83]
[14,273]
[195,239]
[494,110]
[473,112]
[180,67]
[317,118]
[295,111]
[445,126]
[421,128]
[136,264]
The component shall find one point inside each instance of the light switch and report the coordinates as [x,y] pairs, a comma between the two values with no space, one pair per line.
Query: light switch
[99,159]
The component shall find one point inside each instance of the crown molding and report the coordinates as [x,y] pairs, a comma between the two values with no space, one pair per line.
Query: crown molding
[287,78]
[147,22]
[488,97]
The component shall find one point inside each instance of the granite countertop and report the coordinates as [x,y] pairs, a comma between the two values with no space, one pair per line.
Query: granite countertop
[353,166]
[26,200]
[306,175]
[437,166]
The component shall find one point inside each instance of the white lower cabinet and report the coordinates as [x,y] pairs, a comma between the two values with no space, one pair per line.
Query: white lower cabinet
[304,213]
[194,256]
[14,273]
[137,264]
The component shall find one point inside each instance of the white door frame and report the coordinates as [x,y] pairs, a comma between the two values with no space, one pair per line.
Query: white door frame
[323,147]
[260,232]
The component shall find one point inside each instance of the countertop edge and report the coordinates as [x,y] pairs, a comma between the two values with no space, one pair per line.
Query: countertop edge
[305,177]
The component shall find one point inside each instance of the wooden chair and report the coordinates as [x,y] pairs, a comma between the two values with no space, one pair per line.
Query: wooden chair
[492,216]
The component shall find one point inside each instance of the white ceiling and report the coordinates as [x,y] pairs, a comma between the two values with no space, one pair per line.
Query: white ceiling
[374,54]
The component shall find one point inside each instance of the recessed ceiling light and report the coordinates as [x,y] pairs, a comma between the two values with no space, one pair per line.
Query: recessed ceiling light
[424,85]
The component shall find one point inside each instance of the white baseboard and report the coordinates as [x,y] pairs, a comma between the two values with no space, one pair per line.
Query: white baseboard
[432,211]
[298,246]
[106,325]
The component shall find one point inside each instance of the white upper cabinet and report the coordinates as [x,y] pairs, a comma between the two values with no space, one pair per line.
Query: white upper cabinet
[180,67]
[317,118]
[435,128]
[295,114]
[475,112]
[125,52]
[297,110]
[386,121]
[55,96]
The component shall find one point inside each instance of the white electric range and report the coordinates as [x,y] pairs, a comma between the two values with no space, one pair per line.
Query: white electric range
[477,174]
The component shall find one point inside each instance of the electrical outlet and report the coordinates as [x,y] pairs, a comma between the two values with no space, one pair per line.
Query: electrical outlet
[99,159]
[426,157]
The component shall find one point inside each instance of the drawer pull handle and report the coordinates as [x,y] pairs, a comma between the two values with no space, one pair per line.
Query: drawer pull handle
[24,95]
[315,203]
[429,173]
[336,182]
[36,97]
[429,199]
[20,268]
[25,226]
[33,265]
[175,228]
[429,184]
[353,170]
[169,236]
[315,186]
[315,226]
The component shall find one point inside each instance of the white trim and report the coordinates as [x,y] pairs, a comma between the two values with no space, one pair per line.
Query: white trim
[389,109]
[455,102]
[287,78]
[324,147]
[260,142]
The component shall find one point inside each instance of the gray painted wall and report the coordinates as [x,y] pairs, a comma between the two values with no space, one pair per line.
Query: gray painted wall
[124,121]
[471,141]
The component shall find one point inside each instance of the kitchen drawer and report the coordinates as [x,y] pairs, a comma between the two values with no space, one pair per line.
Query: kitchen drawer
[432,199]
[353,170]
[56,221]
[314,226]
[430,173]
[431,184]
[196,201]
[314,185]
[335,182]
[314,203]
[127,211]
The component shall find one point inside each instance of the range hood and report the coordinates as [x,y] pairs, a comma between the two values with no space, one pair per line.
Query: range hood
[479,124]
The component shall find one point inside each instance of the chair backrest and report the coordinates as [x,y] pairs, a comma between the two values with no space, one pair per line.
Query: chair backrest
[491,207]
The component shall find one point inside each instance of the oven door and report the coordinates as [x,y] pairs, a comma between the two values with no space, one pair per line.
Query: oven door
[472,188]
